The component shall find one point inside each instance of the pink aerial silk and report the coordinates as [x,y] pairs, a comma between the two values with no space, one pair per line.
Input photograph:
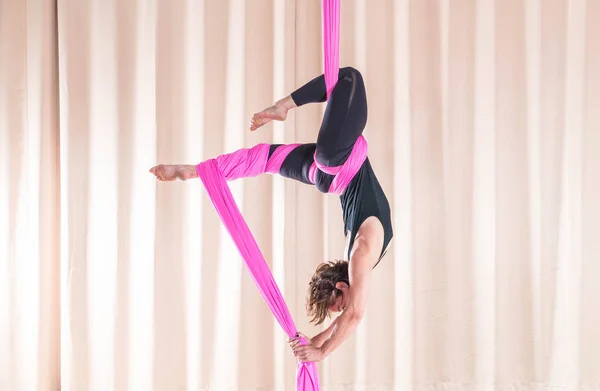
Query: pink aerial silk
[331,43]
[251,162]
[344,173]
[248,163]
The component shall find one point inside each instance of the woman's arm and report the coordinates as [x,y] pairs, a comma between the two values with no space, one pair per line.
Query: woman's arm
[320,338]
[366,250]
[315,341]
[345,324]
[360,282]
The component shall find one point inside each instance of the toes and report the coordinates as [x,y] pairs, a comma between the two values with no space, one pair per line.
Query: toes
[255,124]
[159,172]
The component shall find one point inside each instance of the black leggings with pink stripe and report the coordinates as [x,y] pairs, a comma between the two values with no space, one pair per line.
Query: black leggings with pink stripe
[343,122]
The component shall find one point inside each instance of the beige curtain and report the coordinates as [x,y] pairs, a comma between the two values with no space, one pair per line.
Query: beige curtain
[484,130]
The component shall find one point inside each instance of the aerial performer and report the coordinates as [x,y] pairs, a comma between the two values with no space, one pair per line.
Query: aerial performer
[337,163]
[336,286]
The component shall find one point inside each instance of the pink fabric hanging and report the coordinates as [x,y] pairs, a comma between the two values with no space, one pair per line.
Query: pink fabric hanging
[251,162]
[307,376]
[255,161]
[331,43]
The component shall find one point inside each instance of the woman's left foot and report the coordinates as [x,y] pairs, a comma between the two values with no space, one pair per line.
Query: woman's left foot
[170,172]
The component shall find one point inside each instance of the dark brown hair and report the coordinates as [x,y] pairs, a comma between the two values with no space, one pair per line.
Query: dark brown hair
[322,291]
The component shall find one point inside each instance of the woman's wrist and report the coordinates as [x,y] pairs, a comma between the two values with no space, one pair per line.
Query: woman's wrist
[325,348]
[318,341]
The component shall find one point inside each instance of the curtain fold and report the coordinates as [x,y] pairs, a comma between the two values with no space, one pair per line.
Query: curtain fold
[30,238]
[484,131]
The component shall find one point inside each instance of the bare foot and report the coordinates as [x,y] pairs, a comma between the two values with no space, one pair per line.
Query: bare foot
[275,112]
[171,172]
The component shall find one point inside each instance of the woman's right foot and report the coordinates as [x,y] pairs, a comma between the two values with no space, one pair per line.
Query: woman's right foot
[275,112]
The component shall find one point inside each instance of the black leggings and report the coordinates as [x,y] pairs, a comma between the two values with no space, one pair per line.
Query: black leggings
[345,116]
[343,122]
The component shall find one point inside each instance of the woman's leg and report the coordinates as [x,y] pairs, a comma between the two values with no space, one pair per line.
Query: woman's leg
[344,119]
[345,116]
[248,162]
[314,91]
[297,163]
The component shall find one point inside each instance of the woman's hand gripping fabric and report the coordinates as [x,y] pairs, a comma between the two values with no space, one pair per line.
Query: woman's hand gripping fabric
[308,352]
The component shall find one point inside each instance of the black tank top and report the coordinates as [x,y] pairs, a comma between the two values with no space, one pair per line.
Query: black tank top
[364,198]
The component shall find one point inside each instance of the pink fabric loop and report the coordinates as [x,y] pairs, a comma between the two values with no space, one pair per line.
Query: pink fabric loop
[346,172]
[250,162]
[326,169]
[278,156]
[312,172]
[243,163]
[214,180]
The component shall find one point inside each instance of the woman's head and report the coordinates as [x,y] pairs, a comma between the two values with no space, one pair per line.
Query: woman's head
[327,290]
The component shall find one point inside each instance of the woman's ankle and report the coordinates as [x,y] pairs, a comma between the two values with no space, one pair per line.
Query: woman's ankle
[188,172]
[287,103]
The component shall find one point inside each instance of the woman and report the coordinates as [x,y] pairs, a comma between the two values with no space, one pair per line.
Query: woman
[339,286]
